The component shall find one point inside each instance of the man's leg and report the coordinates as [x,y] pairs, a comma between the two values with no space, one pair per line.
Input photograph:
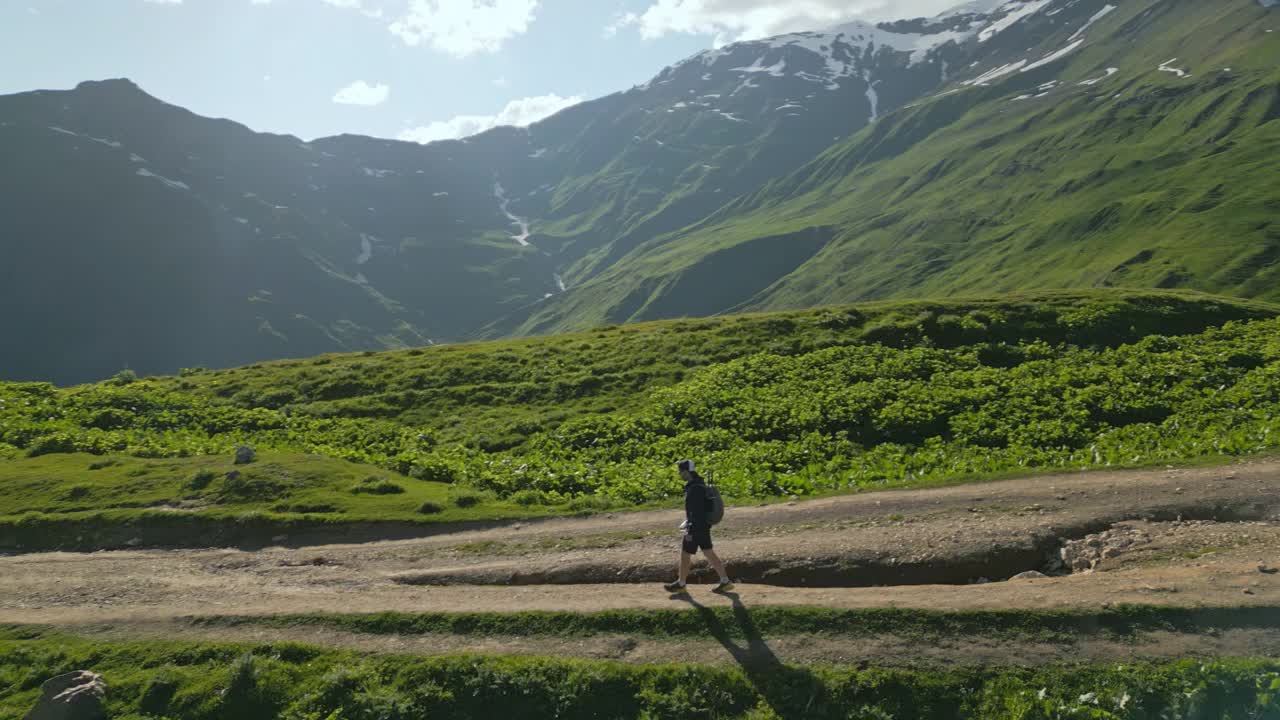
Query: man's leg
[686,559]
[716,563]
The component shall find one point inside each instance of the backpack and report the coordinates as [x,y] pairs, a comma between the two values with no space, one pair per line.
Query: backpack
[715,505]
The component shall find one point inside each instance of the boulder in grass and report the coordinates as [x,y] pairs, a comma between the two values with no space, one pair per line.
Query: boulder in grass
[245,455]
[73,696]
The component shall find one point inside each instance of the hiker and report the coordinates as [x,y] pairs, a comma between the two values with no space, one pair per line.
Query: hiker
[697,530]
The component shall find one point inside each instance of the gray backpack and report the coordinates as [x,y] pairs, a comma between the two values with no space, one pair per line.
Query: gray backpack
[715,505]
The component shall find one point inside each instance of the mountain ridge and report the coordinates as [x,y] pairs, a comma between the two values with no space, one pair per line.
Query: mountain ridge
[276,247]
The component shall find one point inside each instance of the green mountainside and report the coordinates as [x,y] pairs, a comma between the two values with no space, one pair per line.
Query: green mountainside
[1095,169]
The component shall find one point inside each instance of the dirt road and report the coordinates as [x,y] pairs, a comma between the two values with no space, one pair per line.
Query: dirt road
[1203,537]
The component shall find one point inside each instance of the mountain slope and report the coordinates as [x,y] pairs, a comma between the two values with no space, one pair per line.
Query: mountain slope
[860,162]
[1085,161]
[140,235]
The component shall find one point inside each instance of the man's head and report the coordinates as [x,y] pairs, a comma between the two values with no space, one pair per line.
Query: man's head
[686,468]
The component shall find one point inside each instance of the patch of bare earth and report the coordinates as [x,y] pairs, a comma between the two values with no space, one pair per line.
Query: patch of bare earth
[1188,538]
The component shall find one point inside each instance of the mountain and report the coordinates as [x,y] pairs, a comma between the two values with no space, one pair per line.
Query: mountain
[160,239]
[864,161]
[1078,144]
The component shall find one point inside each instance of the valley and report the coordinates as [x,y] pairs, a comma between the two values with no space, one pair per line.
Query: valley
[972,321]
[1018,147]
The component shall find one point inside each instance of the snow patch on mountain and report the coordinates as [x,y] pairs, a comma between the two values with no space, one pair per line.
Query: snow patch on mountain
[1095,81]
[872,96]
[995,73]
[1014,12]
[366,249]
[1051,57]
[100,141]
[1164,67]
[777,69]
[504,205]
[171,184]
[1105,11]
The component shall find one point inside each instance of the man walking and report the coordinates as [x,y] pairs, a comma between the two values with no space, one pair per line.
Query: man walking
[697,530]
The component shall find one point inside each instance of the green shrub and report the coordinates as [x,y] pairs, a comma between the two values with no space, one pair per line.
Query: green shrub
[78,492]
[430,508]
[435,469]
[240,486]
[101,464]
[374,485]
[467,498]
[201,479]
[124,377]
[250,693]
[158,693]
[590,503]
[529,498]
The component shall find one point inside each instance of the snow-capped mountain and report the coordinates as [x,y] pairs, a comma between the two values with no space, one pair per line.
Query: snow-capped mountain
[255,246]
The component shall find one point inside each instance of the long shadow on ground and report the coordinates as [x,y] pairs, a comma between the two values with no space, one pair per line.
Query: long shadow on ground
[784,688]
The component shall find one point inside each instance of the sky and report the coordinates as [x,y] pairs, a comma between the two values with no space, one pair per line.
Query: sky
[416,70]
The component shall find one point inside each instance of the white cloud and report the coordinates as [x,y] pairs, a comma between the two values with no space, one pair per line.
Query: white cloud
[517,112]
[463,27]
[362,93]
[750,19]
[620,21]
[356,5]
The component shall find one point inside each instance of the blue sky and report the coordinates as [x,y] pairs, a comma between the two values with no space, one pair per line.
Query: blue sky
[416,69]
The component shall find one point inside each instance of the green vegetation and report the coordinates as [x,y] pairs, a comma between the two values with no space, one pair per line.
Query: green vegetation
[216,681]
[75,501]
[773,405]
[1062,626]
[1144,179]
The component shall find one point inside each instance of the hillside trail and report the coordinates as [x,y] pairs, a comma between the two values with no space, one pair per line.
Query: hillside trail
[1193,538]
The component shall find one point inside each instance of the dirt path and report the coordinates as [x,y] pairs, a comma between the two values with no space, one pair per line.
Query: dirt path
[1188,537]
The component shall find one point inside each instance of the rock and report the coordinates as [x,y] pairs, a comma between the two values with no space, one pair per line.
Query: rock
[245,455]
[73,696]
[1247,591]
[1029,575]
[1267,570]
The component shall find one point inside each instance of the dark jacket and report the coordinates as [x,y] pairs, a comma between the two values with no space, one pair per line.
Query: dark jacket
[695,504]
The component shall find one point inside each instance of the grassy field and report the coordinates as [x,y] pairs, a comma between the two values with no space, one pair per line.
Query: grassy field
[213,680]
[773,405]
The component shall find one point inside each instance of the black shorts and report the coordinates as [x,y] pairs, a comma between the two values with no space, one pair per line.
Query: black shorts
[696,539]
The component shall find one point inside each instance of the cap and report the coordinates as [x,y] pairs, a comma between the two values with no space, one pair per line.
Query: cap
[685,465]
